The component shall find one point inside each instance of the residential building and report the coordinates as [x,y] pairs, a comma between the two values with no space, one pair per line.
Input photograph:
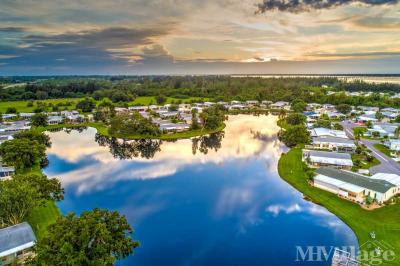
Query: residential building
[26,115]
[334,144]
[383,130]
[16,243]
[6,172]
[137,108]
[355,187]
[55,119]
[326,132]
[280,105]
[324,158]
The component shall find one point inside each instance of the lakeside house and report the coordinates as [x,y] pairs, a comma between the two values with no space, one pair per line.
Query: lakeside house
[280,105]
[14,127]
[334,144]
[16,243]
[357,187]
[326,132]
[323,158]
[54,119]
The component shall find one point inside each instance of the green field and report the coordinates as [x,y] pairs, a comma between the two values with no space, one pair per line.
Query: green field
[22,107]
[364,163]
[384,221]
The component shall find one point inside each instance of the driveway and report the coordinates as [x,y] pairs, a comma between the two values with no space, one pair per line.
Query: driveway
[387,165]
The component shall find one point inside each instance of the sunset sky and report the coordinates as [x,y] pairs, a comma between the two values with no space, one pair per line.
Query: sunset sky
[199,37]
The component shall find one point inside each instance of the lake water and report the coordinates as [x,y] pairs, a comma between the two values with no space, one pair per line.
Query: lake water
[215,200]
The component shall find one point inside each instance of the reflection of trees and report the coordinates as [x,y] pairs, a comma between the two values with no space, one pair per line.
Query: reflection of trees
[122,149]
[204,143]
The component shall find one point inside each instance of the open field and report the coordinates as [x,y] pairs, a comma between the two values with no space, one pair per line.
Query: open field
[384,221]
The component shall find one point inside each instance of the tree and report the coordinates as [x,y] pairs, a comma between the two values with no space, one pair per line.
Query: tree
[195,122]
[134,124]
[105,110]
[38,136]
[22,153]
[343,108]
[337,126]
[295,135]
[1,118]
[298,105]
[295,119]
[86,105]
[213,117]
[161,99]
[323,123]
[97,237]
[379,116]
[39,120]
[11,110]
[22,193]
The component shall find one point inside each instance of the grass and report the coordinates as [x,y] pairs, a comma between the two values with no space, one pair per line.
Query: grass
[364,164]
[43,216]
[384,221]
[22,107]
[382,148]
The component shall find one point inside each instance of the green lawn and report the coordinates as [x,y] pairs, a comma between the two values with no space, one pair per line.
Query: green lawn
[382,148]
[22,107]
[364,163]
[43,216]
[384,221]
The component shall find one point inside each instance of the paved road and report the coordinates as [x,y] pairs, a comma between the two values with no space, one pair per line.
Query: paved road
[387,165]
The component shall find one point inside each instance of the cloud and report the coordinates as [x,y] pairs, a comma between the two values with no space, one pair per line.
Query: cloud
[277,209]
[298,6]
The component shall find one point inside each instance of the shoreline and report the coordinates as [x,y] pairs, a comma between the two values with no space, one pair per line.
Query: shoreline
[383,221]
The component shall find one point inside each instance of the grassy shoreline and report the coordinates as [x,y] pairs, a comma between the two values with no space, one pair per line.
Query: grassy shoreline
[384,221]
[103,130]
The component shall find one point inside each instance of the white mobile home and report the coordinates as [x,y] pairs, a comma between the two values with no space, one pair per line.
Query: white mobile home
[354,186]
[324,158]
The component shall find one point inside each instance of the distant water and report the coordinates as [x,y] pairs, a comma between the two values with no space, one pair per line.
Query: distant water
[214,200]
[395,79]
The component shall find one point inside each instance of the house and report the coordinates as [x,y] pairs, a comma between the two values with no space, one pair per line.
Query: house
[367,117]
[280,105]
[335,115]
[326,132]
[356,187]
[9,116]
[54,119]
[14,127]
[6,172]
[334,144]
[121,110]
[168,126]
[394,146]
[383,129]
[137,108]
[237,107]
[26,115]
[5,136]
[235,102]
[168,114]
[16,243]
[252,103]
[324,158]
[267,103]
[208,104]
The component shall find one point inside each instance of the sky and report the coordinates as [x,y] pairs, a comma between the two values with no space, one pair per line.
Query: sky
[54,37]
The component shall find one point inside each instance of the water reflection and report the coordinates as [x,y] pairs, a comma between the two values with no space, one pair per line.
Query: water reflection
[211,200]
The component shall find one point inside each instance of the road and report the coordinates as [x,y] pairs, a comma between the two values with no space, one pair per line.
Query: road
[387,165]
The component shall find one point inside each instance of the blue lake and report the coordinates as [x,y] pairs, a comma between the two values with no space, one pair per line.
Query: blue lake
[214,200]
